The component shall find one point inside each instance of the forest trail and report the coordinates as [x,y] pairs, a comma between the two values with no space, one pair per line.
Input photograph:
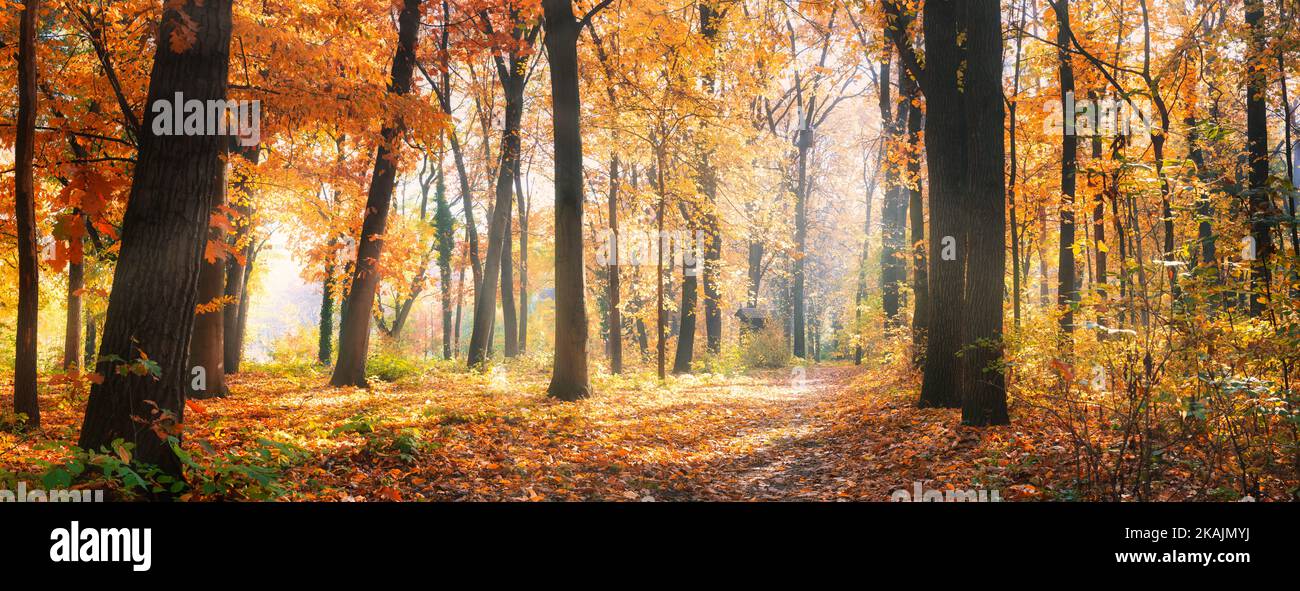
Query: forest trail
[824,433]
[844,433]
[791,460]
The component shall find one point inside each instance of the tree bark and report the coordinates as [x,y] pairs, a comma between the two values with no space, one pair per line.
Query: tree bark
[155,285]
[916,212]
[509,312]
[569,380]
[25,397]
[615,314]
[1257,146]
[73,320]
[710,28]
[893,215]
[1067,290]
[984,397]
[325,342]
[207,345]
[521,202]
[510,72]
[354,331]
[945,145]
[798,328]
[686,336]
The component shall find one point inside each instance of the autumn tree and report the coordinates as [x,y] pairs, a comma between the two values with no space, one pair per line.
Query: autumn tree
[354,331]
[145,347]
[25,399]
[569,380]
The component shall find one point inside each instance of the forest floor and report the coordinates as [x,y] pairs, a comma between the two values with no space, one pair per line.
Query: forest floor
[833,432]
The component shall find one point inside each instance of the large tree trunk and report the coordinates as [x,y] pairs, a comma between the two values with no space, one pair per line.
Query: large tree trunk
[25,399]
[354,332]
[155,286]
[984,397]
[1067,287]
[945,145]
[1257,145]
[569,380]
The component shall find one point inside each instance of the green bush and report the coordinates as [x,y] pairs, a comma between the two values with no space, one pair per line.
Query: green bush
[390,367]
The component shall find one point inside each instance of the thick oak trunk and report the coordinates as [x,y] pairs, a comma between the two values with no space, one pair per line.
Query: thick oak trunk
[155,286]
[983,393]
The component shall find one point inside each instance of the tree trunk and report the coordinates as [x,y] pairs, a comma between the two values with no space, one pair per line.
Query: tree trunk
[25,399]
[155,285]
[509,317]
[893,214]
[569,380]
[798,327]
[755,271]
[325,344]
[89,352]
[512,77]
[522,203]
[207,346]
[235,288]
[615,315]
[1067,290]
[236,270]
[354,331]
[916,211]
[445,227]
[984,397]
[709,28]
[1257,142]
[250,257]
[72,326]
[945,147]
[686,336]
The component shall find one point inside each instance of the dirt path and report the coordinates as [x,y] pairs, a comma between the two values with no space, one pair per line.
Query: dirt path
[795,458]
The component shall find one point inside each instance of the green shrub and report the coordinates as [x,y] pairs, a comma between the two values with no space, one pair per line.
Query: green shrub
[390,367]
